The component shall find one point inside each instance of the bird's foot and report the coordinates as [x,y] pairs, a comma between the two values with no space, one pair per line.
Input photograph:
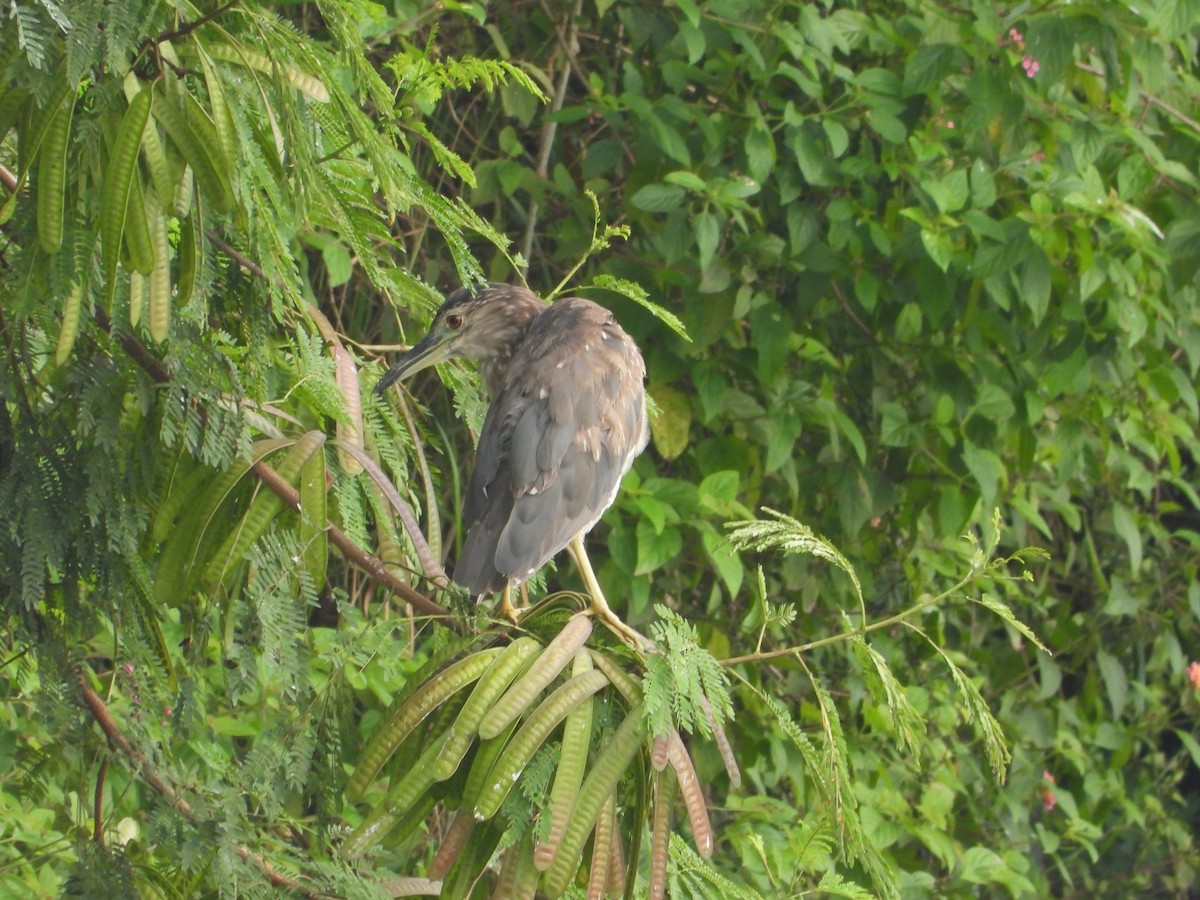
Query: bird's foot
[506,608]
[627,634]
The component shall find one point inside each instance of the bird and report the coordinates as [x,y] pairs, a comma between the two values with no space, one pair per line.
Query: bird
[566,419]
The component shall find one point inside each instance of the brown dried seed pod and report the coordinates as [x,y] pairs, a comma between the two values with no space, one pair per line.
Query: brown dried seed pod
[660,836]
[602,842]
[452,844]
[693,796]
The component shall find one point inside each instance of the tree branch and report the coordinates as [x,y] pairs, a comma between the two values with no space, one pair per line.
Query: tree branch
[371,565]
[108,725]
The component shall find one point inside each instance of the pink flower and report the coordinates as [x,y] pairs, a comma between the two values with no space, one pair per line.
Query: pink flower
[1014,37]
[1049,800]
[1030,65]
[1194,674]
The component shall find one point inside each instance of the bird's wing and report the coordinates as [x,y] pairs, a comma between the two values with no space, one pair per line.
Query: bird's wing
[557,440]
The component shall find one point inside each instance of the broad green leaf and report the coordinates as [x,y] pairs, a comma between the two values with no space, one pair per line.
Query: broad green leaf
[1116,683]
[657,198]
[670,427]
[1127,530]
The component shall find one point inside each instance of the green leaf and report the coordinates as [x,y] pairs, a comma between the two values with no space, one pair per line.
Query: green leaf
[1116,683]
[926,68]
[724,560]
[670,428]
[1000,608]
[1127,529]
[837,135]
[1035,282]
[939,246]
[639,296]
[654,548]
[760,152]
[658,198]
[949,192]
[337,263]
[708,237]
[986,468]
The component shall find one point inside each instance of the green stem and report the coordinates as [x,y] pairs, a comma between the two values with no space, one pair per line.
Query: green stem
[899,617]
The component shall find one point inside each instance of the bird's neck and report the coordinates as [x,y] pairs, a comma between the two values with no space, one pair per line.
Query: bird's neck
[506,342]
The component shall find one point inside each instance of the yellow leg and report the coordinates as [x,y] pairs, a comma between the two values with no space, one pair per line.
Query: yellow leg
[506,608]
[600,608]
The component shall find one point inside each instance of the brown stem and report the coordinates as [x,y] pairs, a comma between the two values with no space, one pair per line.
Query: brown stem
[188,27]
[98,803]
[107,724]
[372,565]
[242,260]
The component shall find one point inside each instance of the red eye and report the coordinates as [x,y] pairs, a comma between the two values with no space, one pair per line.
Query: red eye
[454,321]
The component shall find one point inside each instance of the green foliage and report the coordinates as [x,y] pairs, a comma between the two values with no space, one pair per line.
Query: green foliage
[932,261]
[683,685]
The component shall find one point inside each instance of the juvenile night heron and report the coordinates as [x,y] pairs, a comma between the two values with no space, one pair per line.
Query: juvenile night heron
[566,420]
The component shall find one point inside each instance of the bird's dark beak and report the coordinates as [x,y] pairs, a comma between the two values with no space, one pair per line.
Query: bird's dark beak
[430,350]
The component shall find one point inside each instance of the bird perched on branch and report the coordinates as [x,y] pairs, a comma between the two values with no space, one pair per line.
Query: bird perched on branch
[566,420]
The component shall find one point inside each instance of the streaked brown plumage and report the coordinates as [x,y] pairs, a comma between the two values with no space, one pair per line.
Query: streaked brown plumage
[566,420]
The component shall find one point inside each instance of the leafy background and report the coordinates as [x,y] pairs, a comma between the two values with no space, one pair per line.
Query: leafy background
[933,261]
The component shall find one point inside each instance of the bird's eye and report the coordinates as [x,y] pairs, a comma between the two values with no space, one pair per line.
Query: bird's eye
[454,321]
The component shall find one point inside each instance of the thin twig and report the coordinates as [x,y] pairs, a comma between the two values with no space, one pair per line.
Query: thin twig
[550,128]
[1149,98]
[849,633]
[109,726]
[118,740]
[188,27]
[244,261]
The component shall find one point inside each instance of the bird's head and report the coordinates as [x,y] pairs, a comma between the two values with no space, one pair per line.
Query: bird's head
[487,325]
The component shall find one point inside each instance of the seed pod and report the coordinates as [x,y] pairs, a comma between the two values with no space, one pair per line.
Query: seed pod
[137,296]
[514,658]
[122,165]
[518,878]
[428,697]
[156,161]
[616,864]
[452,844]
[577,738]
[52,176]
[693,796]
[264,508]
[70,323]
[627,686]
[314,501]
[482,763]
[139,244]
[192,537]
[658,753]
[602,843]
[600,783]
[160,276]
[221,117]
[558,653]
[532,735]
[660,836]
[403,795]
[196,153]
[191,257]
